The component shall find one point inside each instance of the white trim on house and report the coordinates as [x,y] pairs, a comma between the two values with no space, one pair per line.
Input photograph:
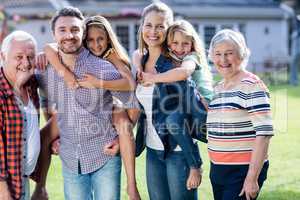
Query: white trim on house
[229,12]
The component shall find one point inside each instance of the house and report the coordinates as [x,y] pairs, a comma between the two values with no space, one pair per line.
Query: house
[264,23]
[31,16]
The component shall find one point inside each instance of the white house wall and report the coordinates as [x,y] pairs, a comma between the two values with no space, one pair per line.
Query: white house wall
[264,46]
[273,45]
[34,27]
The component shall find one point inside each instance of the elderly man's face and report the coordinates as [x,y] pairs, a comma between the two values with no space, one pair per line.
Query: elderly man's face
[68,33]
[19,60]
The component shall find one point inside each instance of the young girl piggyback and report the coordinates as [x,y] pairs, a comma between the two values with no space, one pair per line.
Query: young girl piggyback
[102,42]
[192,79]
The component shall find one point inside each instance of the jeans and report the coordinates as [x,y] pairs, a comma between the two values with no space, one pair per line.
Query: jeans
[102,184]
[196,113]
[186,122]
[178,130]
[166,177]
[26,189]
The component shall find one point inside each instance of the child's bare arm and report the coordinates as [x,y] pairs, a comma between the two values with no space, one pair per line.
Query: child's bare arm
[41,61]
[137,60]
[186,68]
[51,52]
[126,83]
[137,63]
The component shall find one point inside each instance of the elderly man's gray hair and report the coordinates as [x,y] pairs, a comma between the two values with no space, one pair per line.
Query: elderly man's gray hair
[227,35]
[16,36]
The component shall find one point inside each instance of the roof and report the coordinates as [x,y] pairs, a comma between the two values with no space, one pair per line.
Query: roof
[198,2]
[238,3]
[264,9]
[18,3]
[32,7]
[133,8]
[21,3]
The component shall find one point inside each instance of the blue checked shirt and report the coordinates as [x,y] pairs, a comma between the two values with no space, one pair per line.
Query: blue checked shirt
[84,115]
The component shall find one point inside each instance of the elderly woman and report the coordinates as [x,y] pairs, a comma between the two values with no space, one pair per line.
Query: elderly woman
[239,122]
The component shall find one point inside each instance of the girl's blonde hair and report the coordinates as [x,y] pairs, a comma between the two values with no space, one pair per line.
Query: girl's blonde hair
[157,7]
[188,30]
[102,23]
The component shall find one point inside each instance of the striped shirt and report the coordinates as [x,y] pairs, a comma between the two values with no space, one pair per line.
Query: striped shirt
[235,117]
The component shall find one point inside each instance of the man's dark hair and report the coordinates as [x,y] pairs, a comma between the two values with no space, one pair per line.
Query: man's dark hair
[66,12]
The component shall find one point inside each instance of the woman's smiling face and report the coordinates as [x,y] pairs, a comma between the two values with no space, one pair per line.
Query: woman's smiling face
[226,59]
[154,28]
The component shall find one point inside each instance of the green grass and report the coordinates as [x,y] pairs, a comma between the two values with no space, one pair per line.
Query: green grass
[283,181]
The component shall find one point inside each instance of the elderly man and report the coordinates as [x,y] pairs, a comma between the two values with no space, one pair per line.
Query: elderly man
[84,116]
[19,120]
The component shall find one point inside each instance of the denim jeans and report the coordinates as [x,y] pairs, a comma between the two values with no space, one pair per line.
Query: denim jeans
[179,131]
[186,122]
[101,184]
[167,176]
[191,104]
[26,189]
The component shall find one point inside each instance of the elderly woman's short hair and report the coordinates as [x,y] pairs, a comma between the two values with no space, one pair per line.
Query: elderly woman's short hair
[16,36]
[228,35]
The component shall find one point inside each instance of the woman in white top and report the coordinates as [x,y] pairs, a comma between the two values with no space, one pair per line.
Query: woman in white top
[166,169]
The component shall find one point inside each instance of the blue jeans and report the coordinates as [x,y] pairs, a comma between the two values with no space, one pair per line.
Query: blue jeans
[167,176]
[179,132]
[26,189]
[187,122]
[101,184]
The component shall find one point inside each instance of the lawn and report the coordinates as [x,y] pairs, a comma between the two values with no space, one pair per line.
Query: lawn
[283,181]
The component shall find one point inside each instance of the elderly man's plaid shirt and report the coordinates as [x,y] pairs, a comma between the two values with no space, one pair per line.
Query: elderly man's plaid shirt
[11,126]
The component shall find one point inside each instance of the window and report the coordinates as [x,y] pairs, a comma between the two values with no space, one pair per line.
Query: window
[196,27]
[209,32]
[226,26]
[43,29]
[136,30]
[242,28]
[123,35]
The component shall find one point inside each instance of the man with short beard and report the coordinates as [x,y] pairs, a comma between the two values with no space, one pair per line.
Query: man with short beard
[19,121]
[84,116]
